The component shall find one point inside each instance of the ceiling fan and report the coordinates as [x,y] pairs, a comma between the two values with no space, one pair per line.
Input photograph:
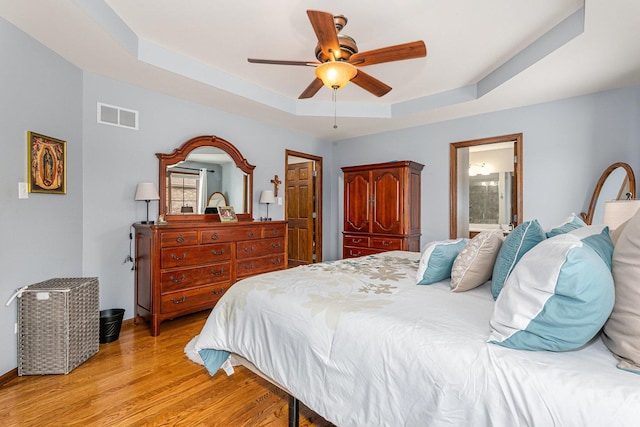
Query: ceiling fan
[339,60]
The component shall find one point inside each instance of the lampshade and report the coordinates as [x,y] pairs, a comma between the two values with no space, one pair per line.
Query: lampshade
[267,197]
[336,74]
[147,191]
[617,212]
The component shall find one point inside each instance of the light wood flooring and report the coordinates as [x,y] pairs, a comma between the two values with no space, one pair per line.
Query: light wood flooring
[140,380]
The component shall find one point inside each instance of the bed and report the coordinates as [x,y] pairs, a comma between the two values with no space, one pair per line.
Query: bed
[361,344]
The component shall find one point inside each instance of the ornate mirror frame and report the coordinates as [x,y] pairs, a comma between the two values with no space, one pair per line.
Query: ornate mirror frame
[629,182]
[181,153]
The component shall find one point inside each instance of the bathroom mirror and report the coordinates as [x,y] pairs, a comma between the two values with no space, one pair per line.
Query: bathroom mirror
[614,184]
[198,169]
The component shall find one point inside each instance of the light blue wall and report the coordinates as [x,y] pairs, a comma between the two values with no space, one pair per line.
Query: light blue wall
[85,233]
[116,159]
[567,144]
[42,235]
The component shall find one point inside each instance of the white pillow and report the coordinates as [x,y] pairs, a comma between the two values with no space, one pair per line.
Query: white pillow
[557,297]
[622,331]
[437,259]
[474,265]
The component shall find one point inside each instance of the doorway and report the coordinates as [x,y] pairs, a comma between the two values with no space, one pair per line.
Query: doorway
[303,208]
[486,185]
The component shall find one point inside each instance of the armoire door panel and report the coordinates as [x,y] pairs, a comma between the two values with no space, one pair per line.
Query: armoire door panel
[357,199]
[387,205]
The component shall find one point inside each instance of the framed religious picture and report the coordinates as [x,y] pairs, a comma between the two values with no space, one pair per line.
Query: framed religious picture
[227,214]
[47,164]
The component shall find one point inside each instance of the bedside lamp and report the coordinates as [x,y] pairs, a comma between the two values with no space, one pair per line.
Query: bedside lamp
[617,212]
[267,197]
[147,191]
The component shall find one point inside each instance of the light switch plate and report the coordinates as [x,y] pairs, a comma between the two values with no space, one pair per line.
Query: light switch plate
[280,201]
[23,192]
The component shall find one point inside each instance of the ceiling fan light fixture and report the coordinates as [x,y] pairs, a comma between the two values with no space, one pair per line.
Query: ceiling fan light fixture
[336,74]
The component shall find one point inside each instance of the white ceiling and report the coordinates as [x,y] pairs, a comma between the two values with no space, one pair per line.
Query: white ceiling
[481,55]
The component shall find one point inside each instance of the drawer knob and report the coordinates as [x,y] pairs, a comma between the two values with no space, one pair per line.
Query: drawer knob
[274,231]
[174,280]
[214,236]
[275,245]
[356,240]
[354,253]
[276,261]
[175,258]
[216,252]
[180,239]
[248,266]
[179,301]
[219,291]
[217,273]
[386,243]
[248,248]
[250,233]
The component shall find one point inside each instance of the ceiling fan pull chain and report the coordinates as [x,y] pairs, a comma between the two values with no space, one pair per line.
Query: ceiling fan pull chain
[335,108]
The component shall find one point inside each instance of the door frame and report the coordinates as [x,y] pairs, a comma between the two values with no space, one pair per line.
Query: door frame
[317,196]
[453,176]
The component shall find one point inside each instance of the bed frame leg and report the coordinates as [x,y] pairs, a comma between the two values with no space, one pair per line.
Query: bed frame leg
[294,412]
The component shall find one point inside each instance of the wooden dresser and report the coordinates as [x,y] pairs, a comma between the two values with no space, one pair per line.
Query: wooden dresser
[185,267]
[381,208]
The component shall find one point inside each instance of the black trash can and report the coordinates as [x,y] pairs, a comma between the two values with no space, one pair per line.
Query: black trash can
[110,323]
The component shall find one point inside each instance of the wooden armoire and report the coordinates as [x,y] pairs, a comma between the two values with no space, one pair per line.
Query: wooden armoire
[381,208]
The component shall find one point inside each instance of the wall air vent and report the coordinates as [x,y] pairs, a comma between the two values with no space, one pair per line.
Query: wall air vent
[117,116]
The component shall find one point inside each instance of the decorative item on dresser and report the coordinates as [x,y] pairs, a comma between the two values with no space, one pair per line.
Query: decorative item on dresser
[381,208]
[187,263]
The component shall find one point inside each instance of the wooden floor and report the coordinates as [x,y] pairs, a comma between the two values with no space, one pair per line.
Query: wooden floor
[140,380]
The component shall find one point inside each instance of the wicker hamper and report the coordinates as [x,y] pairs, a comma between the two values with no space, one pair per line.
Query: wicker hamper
[58,325]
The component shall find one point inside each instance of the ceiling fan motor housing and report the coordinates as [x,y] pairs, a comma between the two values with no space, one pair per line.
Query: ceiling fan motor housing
[347,44]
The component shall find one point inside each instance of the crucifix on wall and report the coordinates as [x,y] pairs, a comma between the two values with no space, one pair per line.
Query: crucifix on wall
[275,182]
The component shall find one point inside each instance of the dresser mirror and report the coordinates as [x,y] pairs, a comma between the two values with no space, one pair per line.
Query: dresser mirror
[200,168]
[614,184]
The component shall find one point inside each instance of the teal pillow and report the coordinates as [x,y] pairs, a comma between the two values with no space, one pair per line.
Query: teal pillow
[557,298]
[597,237]
[437,259]
[572,222]
[524,237]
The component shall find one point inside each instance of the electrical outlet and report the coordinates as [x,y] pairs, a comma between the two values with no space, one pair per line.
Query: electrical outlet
[15,328]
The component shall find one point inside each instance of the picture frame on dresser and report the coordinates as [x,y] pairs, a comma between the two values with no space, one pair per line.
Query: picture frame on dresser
[227,214]
[47,164]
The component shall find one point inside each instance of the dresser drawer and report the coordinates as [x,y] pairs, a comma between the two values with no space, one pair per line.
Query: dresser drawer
[192,298]
[194,255]
[273,230]
[176,280]
[353,252]
[386,243]
[178,238]
[254,248]
[355,240]
[251,266]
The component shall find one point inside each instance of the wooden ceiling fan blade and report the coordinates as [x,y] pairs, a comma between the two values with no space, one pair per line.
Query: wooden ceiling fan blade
[312,89]
[325,29]
[399,52]
[371,84]
[281,62]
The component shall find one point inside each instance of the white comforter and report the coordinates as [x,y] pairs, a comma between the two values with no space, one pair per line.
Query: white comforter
[358,342]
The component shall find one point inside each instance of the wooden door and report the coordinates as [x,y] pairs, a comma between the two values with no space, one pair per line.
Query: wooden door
[300,213]
[357,201]
[386,209]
